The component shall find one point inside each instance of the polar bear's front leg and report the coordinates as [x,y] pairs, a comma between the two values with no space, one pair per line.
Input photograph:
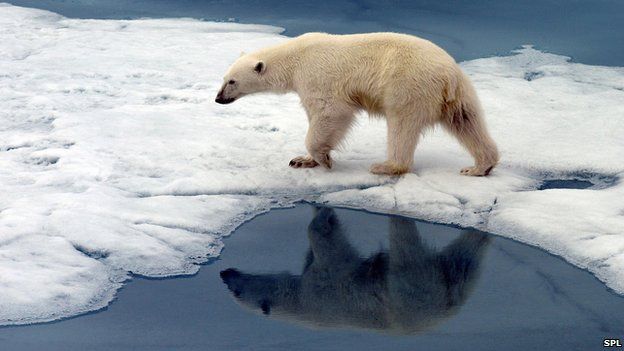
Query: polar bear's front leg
[329,123]
[318,144]
[303,162]
[318,150]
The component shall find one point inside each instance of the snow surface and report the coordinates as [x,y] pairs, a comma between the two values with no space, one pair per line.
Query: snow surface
[115,160]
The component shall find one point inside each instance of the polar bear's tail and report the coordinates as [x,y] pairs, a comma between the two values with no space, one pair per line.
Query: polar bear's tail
[462,116]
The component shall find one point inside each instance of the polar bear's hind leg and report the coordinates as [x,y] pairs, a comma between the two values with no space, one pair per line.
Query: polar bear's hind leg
[403,134]
[468,126]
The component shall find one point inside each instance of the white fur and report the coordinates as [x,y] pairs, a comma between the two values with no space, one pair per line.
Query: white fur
[413,83]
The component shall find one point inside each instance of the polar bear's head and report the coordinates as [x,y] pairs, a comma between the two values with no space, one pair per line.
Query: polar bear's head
[245,76]
[266,293]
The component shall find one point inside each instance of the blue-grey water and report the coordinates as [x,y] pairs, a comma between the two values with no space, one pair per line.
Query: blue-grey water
[590,31]
[334,279]
[565,184]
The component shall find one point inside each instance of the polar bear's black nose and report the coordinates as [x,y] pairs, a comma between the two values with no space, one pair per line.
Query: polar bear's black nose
[229,274]
[222,100]
[230,278]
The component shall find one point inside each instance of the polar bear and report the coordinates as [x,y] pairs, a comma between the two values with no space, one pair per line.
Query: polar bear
[404,290]
[410,81]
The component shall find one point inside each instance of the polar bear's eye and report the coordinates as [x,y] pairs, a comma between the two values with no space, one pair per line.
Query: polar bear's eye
[232,81]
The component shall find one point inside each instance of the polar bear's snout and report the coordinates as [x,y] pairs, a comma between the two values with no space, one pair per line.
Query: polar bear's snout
[223,99]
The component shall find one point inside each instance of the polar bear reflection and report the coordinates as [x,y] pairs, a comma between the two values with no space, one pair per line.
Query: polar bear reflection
[404,290]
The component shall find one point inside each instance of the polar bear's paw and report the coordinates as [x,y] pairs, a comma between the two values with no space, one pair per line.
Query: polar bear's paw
[388,168]
[476,171]
[303,162]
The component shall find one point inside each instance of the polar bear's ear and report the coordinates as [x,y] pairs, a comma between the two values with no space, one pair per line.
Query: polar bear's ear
[242,53]
[260,67]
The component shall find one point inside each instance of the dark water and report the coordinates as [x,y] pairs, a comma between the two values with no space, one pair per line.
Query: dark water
[309,279]
[588,31]
[580,181]
[565,184]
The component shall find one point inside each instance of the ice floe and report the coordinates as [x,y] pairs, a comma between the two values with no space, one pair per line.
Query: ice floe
[115,160]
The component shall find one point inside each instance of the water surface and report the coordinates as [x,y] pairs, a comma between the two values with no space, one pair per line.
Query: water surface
[588,31]
[334,279]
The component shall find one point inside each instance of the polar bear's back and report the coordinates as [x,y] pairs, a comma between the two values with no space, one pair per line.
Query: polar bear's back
[371,69]
[362,40]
